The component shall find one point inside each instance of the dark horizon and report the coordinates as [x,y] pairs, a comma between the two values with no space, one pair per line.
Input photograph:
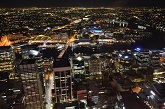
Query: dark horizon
[80,3]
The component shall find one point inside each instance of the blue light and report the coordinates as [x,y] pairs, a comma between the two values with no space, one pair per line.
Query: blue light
[126,57]
[97,31]
[138,49]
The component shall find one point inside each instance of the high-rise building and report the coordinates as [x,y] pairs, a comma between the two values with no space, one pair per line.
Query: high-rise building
[7,58]
[8,77]
[62,80]
[31,76]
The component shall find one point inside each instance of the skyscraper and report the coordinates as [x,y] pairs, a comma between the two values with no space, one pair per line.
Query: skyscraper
[32,83]
[63,80]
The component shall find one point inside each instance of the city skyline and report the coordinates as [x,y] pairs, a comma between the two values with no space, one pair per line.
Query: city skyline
[80,3]
[82,57]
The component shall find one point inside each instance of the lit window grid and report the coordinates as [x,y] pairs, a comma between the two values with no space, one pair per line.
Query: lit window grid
[64,90]
[30,86]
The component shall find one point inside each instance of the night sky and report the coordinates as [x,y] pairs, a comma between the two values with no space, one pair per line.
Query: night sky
[82,3]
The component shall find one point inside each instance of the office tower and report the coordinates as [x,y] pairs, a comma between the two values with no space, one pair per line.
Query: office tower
[7,58]
[63,80]
[8,77]
[31,76]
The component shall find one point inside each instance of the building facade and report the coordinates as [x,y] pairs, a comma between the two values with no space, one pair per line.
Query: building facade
[7,57]
[32,83]
[62,80]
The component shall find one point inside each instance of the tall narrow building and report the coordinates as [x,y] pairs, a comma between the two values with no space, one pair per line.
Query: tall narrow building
[62,80]
[31,77]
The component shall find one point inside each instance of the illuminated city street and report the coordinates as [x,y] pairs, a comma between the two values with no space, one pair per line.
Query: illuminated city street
[48,95]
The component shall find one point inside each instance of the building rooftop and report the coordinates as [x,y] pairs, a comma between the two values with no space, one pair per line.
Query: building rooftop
[4,48]
[61,62]
[34,46]
[28,61]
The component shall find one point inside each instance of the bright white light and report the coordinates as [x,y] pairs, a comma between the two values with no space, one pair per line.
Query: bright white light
[120,55]
[104,106]
[134,54]
[153,93]
[60,47]
[101,92]
[126,57]
[34,52]
[72,107]
[79,58]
